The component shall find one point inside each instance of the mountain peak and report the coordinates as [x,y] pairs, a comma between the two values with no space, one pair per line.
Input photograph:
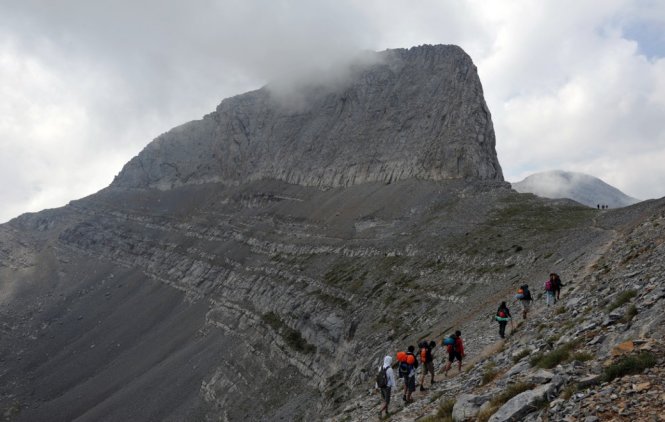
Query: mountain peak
[416,113]
[583,188]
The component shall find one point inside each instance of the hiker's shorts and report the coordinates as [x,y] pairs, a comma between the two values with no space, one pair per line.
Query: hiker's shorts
[428,367]
[411,383]
[526,304]
[454,355]
[385,394]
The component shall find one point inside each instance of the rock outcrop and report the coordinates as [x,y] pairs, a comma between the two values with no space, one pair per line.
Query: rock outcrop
[417,113]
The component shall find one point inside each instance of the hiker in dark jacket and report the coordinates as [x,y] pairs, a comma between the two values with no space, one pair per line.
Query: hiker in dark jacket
[549,290]
[455,352]
[410,378]
[558,284]
[503,316]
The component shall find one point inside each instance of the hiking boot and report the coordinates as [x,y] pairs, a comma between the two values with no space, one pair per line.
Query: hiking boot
[423,388]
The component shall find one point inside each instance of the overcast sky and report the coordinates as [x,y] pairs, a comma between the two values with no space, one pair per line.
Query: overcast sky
[85,85]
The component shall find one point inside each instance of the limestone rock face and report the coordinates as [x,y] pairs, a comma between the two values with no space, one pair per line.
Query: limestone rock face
[416,113]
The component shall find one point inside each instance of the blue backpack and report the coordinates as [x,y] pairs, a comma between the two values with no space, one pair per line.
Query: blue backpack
[403,369]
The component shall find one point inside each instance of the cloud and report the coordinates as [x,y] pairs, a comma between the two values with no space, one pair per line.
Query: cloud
[578,95]
[571,84]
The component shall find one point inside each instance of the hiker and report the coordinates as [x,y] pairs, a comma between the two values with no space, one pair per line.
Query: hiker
[524,297]
[503,316]
[402,369]
[549,290]
[558,284]
[427,361]
[410,377]
[455,347]
[385,381]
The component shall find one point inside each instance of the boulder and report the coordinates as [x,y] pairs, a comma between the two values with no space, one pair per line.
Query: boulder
[467,406]
[589,381]
[518,369]
[521,405]
[540,377]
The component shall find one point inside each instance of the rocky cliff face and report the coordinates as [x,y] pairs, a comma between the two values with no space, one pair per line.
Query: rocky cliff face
[417,113]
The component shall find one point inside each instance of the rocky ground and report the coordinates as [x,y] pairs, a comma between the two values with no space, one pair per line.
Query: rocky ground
[597,355]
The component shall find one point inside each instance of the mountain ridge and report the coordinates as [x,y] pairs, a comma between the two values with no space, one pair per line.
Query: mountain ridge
[583,188]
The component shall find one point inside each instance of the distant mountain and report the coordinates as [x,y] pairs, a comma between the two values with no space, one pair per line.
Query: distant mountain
[580,187]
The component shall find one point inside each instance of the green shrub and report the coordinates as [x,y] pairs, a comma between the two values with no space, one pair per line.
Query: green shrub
[489,373]
[629,365]
[582,356]
[553,358]
[521,355]
[569,324]
[444,414]
[553,339]
[273,320]
[630,314]
[568,391]
[622,299]
[294,339]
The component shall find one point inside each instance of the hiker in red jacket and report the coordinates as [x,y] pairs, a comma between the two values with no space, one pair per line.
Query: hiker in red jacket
[455,351]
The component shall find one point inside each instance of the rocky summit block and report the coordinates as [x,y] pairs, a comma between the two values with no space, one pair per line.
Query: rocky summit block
[411,113]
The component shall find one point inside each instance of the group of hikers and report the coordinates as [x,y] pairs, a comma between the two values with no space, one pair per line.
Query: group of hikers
[409,361]
[552,288]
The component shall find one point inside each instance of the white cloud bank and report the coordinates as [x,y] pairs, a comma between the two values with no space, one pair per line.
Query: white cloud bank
[572,85]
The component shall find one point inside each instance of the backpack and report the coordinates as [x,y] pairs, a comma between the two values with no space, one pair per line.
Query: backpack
[403,369]
[526,294]
[423,354]
[502,314]
[549,286]
[382,378]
